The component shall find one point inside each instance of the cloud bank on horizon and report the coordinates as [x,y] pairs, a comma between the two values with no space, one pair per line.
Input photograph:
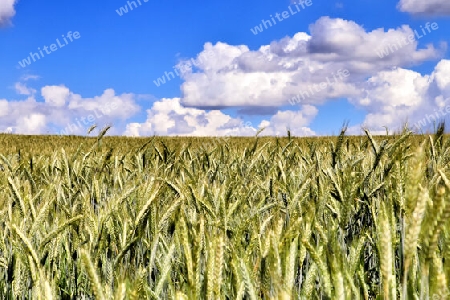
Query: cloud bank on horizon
[285,83]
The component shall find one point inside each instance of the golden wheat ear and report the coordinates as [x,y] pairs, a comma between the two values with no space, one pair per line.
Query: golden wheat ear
[91,129]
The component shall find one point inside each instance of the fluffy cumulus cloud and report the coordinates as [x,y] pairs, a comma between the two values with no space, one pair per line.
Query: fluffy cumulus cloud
[307,68]
[429,7]
[111,105]
[7,11]
[3,107]
[396,97]
[62,111]
[169,117]
[55,95]
[33,123]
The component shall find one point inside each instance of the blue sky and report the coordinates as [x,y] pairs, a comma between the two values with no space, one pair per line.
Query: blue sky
[233,81]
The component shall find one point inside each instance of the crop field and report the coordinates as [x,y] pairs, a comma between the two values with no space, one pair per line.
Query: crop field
[344,217]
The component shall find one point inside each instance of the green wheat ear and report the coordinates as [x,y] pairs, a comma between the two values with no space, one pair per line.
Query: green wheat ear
[93,276]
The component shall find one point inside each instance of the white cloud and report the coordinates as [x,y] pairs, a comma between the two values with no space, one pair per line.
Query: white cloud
[429,7]
[29,77]
[395,97]
[55,95]
[228,75]
[109,104]
[31,123]
[22,89]
[3,107]
[295,121]
[169,117]
[7,11]
[63,110]
[441,76]
[132,129]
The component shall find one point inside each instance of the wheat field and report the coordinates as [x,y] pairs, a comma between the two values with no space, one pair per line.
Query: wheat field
[344,217]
